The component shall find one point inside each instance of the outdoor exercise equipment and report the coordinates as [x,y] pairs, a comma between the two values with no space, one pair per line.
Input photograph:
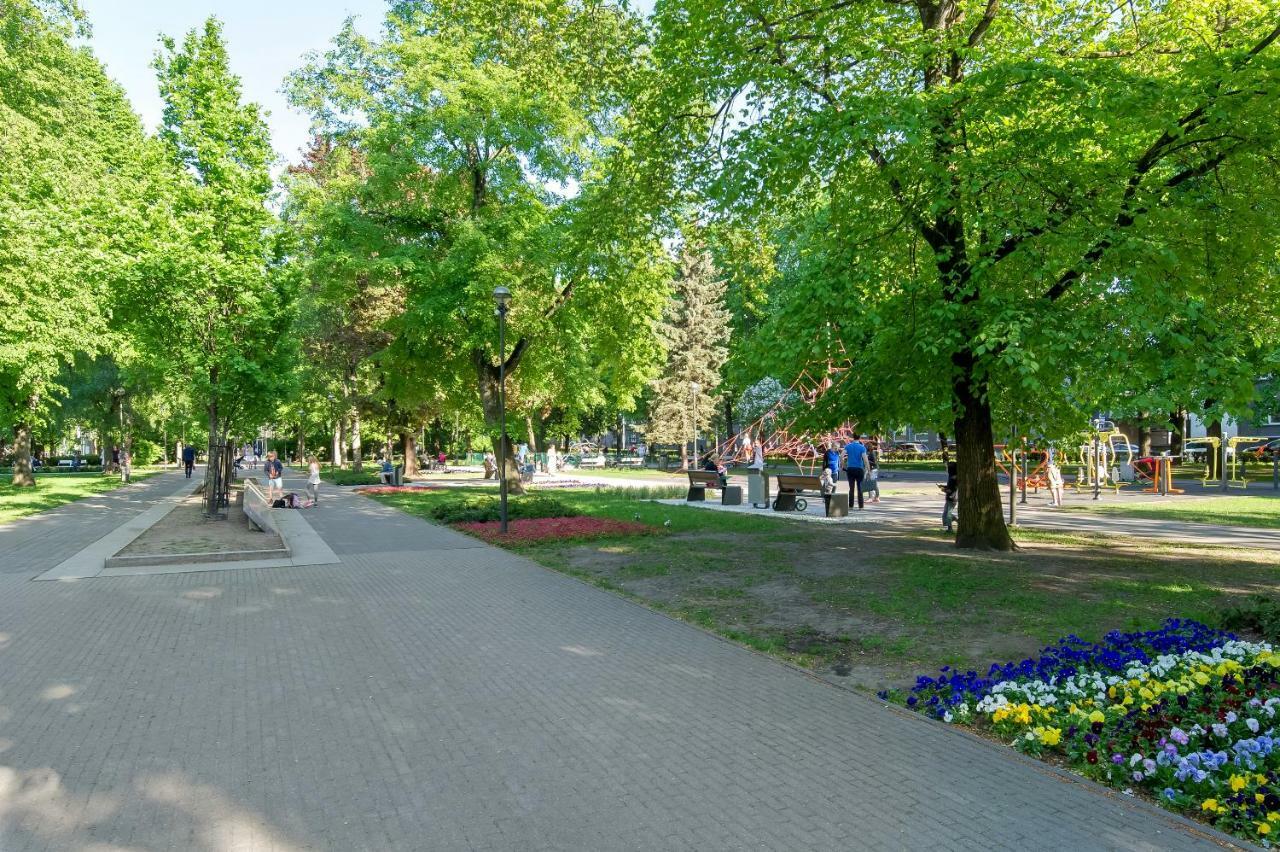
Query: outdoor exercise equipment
[1099,453]
[1236,459]
[1212,457]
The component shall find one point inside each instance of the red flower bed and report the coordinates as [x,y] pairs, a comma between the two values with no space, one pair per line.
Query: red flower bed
[389,489]
[526,530]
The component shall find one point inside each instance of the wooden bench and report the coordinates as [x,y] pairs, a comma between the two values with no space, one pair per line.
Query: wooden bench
[699,482]
[790,489]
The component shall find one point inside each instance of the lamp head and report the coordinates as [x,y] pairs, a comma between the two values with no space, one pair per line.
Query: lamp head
[501,296]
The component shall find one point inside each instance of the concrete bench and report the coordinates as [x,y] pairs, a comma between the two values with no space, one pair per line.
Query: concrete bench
[256,510]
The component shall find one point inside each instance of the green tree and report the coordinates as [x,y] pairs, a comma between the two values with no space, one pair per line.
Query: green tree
[693,331]
[971,190]
[217,266]
[72,177]
[484,129]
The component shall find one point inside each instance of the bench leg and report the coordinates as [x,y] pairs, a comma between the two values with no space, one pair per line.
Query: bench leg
[696,495]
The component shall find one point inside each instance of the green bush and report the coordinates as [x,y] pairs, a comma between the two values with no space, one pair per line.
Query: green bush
[488,508]
[1260,614]
[368,476]
[145,452]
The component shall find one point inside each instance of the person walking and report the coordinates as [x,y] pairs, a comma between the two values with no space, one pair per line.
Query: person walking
[313,479]
[873,476]
[275,477]
[188,459]
[951,492]
[855,467]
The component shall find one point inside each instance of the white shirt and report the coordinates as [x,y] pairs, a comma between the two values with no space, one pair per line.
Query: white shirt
[314,478]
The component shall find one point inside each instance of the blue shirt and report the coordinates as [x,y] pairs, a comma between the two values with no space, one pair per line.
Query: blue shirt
[855,455]
[832,459]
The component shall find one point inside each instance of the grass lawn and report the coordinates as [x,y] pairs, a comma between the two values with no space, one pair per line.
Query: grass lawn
[889,603]
[55,489]
[1257,511]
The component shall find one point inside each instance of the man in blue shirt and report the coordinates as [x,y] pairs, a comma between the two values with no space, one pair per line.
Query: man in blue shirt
[855,467]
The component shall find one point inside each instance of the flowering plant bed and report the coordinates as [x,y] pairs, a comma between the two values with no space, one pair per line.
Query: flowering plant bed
[529,530]
[391,489]
[1185,714]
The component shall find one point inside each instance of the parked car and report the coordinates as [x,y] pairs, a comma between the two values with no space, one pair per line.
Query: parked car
[909,448]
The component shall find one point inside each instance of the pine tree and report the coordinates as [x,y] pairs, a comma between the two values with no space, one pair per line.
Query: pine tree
[693,330]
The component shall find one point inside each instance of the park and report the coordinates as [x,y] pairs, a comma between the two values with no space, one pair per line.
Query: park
[674,424]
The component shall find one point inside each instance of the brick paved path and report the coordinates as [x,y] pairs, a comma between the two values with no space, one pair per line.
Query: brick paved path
[431,693]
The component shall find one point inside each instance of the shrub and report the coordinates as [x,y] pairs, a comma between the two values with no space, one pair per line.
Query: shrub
[1260,614]
[481,508]
[338,476]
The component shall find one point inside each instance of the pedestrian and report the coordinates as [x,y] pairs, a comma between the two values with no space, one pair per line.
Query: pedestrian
[553,460]
[855,467]
[827,485]
[188,459]
[873,476]
[257,454]
[1055,483]
[275,477]
[952,492]
[313,479]
[831,460]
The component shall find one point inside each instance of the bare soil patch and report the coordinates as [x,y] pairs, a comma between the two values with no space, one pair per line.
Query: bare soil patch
[185,530]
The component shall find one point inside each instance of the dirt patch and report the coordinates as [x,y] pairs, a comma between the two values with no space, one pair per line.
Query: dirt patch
[185,530]
[876,607]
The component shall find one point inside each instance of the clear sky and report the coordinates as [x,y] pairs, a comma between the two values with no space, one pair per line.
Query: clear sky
[266,38]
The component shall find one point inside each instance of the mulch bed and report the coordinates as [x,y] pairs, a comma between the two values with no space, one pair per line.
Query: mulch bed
[528,530]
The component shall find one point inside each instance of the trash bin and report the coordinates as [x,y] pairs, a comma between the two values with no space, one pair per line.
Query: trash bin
[758,489]
[731,495]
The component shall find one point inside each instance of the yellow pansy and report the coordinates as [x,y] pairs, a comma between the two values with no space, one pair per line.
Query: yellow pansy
[1097,716]
[1263,828]
[1210,805]
[1237,783]
[1049,736]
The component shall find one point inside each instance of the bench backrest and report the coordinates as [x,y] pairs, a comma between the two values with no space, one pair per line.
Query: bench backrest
[792,482]
[703,477]
[256,508]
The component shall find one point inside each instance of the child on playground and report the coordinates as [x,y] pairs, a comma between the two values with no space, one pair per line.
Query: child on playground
[1055,483]
[951,491]
[313,479]
[873,477]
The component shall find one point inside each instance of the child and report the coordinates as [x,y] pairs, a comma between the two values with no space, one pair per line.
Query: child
[827,485]
[1055,484]
[313,479]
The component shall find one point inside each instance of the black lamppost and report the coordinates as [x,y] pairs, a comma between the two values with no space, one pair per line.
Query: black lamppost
[501,295]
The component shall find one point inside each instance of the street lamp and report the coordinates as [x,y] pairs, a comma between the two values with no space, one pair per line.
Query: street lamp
[502,296]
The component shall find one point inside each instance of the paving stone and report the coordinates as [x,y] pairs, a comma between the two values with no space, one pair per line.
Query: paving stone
[430,692]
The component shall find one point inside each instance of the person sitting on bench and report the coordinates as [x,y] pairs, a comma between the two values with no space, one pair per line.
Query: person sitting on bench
[709,464]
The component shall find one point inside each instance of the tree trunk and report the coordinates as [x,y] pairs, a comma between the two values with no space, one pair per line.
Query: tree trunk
[335,445]
[533,439]
[1175,433]
[1144,439]
[23,477]
[410,442]
[213,464]
[982,524]
[942,444]
[488,380]
[302,445]
[357,460]
[728,418]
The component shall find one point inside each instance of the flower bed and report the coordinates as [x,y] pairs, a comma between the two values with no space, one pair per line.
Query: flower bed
[1184,713]
[391,489]
[528,530]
